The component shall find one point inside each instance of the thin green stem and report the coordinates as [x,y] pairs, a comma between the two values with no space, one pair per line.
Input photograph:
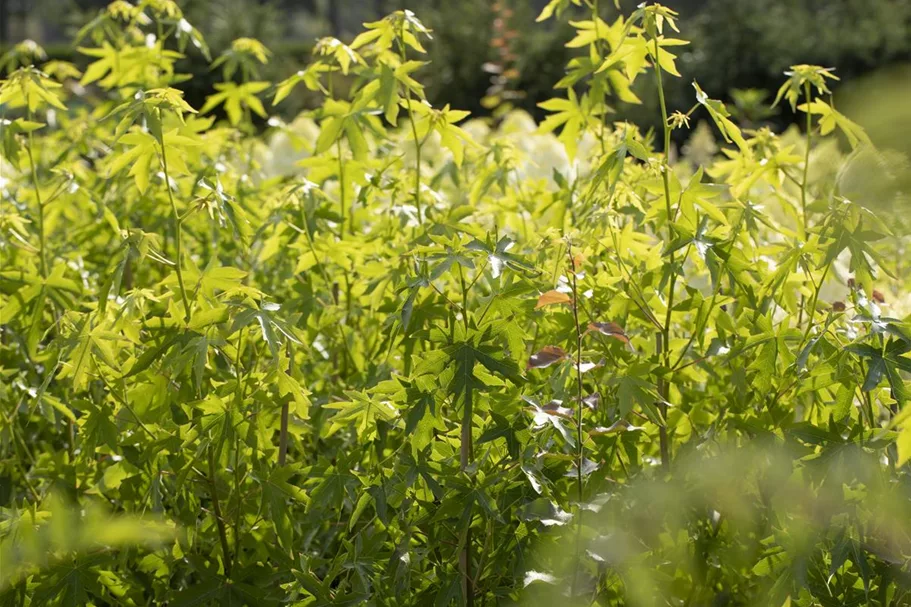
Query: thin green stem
[238,481]
[238,369]
[580,446]
[804,186]
[806,160]
[464,298]
[341,184]
[177,230]
[216,508]
[283,428]
[332,285]
[121,399]
[596,19]
[715,292]
[42,250]
[465,456]
[811,311]
[417,161]
[414,134]
[21,463]
[663,339]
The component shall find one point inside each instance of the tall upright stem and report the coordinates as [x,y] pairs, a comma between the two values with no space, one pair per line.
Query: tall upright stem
[216,509]
[42,253]
[341,185]
[465,554]
[804,186]
[580,446]
[596,19]
[283,429]
[341,172]
[417,162]
[465,455]
[806,160]
[464,297]
[177,230]
[663,339]
[414,135]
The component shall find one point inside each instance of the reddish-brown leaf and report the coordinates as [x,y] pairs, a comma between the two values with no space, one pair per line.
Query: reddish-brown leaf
[546,356]
[552,297]
[576,262]
[611,329]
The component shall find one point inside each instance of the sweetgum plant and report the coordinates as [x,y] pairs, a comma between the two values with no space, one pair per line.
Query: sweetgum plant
[426,364]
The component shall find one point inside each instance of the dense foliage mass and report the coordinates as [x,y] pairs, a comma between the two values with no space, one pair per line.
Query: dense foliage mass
[384,355]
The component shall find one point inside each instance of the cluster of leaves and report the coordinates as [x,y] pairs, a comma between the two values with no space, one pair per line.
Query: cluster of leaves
[413,369]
